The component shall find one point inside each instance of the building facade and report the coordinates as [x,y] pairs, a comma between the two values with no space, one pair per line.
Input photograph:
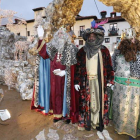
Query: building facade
[113,28]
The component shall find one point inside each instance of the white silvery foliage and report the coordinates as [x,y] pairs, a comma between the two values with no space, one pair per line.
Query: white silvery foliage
[7,40]
[4,64]
[31,58]
[69,137]
[41,136]
[47,22]
[52,135]
[34,42]
[17,63]
[22,69]
[6,43]
[21,78]
[47,25]
[38,21]
[25,91]
[21,49]
[1,94]
[58,1]
[50,10]
[30,76]
[25,86]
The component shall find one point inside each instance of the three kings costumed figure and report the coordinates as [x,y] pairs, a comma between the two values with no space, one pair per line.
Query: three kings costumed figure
[126,96]
[92,73]
[52,90]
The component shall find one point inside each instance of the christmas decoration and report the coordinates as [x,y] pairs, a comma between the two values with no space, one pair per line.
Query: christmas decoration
[9,78]
[21,49]
[58,13]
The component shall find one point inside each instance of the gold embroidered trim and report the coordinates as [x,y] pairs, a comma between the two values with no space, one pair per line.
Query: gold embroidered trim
[41,46]
[102,78]
[126,134]
[51,111]
[81,128]
[58,116]
[33,51]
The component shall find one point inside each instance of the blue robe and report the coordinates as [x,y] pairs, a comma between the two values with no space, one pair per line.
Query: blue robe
[44,84]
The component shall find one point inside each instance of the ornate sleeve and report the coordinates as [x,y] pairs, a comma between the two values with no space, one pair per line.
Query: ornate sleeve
[69,55]
[138,65]
[51,51]
[77,69]
[110,72]
[42,49]
[33,47]
[114,63]
[135,67]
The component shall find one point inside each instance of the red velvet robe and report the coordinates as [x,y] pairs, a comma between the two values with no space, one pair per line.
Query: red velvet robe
[57,89]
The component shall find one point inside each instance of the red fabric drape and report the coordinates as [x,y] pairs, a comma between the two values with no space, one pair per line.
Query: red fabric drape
[74,113]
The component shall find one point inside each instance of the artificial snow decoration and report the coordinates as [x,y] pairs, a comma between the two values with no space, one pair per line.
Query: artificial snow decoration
[52,135]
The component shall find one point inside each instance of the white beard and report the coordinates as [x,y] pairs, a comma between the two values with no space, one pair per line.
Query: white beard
[61,43]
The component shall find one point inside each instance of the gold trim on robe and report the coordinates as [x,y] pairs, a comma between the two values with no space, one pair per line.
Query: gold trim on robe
[58,115]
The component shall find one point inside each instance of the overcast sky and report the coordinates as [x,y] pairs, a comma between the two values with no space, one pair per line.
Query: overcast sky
[24,7]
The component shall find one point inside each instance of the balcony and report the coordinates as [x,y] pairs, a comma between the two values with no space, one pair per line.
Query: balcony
[113,31]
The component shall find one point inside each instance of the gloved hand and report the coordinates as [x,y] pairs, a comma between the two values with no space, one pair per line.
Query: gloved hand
[109,85]
[77,87]
[112,87]
[40,31]
[61,73]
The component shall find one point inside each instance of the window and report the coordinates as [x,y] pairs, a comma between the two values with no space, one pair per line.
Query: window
[111,25]
[113,31]
[114,25]
[80,42]
[113,15]
[118,39]
[28,33]
[107,40]
[18,34]
[82,28]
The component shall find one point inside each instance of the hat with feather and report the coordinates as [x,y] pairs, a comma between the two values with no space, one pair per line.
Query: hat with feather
[95,28]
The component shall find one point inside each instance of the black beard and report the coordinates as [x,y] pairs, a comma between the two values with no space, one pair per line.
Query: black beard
[91,41]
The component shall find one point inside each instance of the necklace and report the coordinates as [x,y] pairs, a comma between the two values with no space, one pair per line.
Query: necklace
[58,57]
